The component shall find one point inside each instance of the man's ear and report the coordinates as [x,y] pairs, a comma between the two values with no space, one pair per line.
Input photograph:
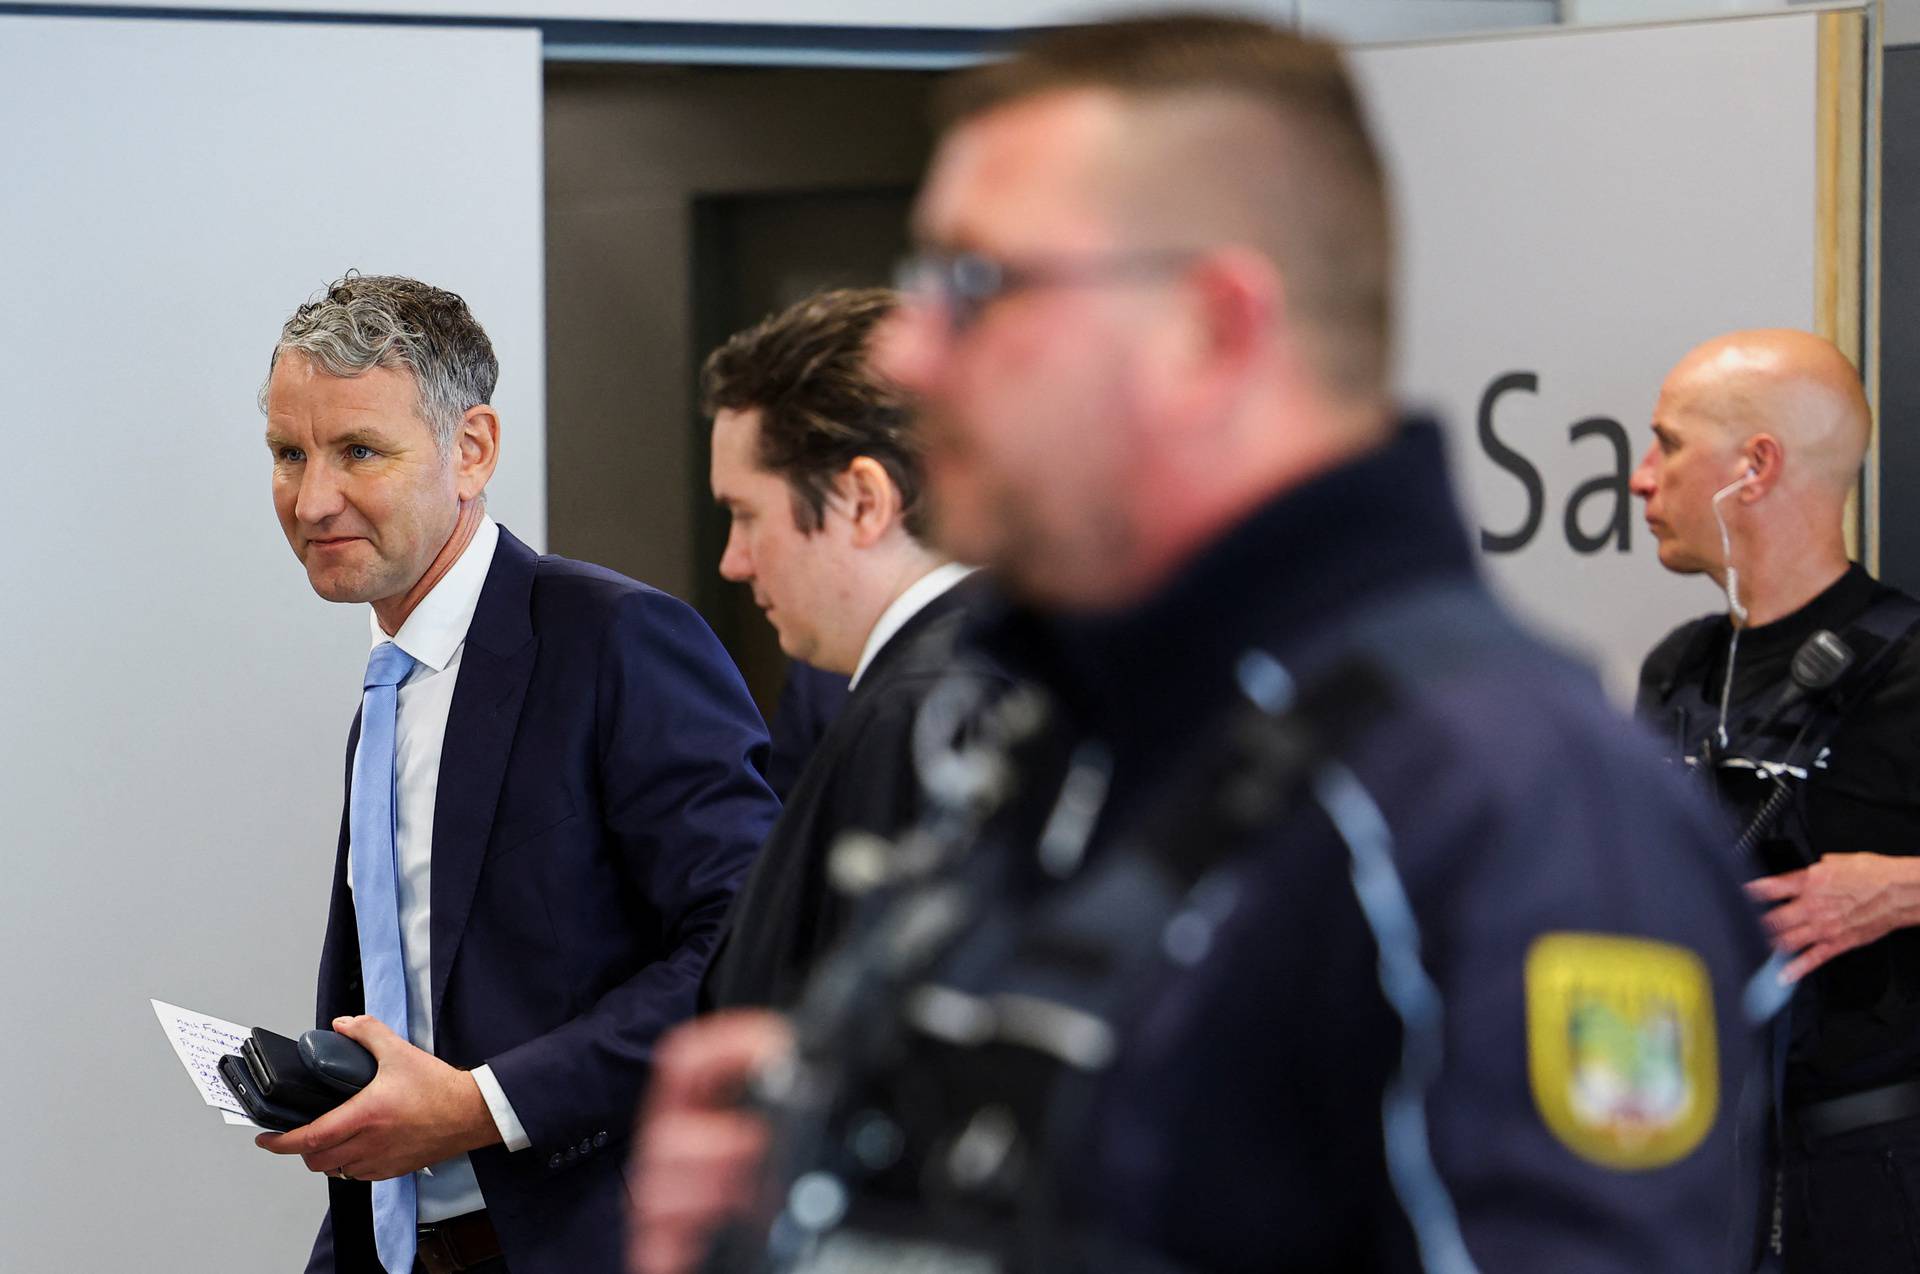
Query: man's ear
[476,450]
[1765,460]
[870,500]
[1227,302]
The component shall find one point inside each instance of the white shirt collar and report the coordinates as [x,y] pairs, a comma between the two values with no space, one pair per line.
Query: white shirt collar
[904,607]
[437,626]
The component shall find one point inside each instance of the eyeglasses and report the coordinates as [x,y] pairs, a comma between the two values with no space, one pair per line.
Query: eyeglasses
[965,283]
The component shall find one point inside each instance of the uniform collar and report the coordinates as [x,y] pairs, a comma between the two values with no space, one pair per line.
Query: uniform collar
[1378,525]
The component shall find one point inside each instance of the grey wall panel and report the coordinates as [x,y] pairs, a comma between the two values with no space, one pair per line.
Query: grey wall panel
[1900,22]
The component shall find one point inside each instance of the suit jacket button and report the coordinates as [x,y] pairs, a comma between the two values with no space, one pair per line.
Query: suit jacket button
[573,1153]
[555,1161]
[586,1145]
[600,1139]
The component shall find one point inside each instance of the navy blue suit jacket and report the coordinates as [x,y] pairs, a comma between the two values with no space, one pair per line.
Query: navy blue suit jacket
[600,800]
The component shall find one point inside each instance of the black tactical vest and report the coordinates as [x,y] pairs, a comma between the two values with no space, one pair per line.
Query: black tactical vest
[1772,750]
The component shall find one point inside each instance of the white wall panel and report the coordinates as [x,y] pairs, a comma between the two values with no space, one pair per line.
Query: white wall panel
[176,699]
[1585,206]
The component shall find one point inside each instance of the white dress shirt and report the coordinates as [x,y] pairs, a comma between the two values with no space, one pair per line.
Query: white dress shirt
[911,602]
[435,634]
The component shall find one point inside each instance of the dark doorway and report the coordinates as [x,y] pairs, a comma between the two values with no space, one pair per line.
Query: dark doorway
[755,255]
[1900,320]
[682,204]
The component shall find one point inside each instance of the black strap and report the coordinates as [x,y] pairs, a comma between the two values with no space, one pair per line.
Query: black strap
[1881,631]
[1877,636]
[1841,1115]
[1890,623]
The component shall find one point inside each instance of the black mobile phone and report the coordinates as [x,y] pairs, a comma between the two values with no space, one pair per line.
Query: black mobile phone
[268,1114]
[280,1074]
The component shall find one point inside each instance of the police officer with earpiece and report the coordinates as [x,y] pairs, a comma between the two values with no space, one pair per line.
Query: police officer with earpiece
[1296,910]
[1801,707]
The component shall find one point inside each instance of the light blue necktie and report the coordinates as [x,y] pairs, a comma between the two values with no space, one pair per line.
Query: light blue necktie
[376,910]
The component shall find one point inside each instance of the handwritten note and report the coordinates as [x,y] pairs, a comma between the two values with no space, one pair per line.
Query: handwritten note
[201,1042]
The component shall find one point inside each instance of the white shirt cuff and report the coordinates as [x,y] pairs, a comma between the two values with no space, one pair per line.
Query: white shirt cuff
[504,1119]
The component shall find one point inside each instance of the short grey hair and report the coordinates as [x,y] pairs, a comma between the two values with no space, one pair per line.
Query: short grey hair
[365,321]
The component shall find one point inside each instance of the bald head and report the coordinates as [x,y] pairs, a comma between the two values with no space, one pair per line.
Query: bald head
[1793,386]
[1757,442]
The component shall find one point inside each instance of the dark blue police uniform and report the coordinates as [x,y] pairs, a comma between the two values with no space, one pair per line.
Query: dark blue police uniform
[1510,1041]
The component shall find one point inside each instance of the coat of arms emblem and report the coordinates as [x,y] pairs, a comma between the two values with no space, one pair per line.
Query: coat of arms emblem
[1621,1047]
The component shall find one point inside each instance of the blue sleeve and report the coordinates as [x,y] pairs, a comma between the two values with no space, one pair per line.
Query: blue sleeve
[684,809]
[1579,1049]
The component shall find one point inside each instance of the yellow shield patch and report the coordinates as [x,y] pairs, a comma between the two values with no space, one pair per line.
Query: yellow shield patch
[1621,1048]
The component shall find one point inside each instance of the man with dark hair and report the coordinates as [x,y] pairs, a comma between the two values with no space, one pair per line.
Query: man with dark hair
[816,462]
[1298,911]
[552,795]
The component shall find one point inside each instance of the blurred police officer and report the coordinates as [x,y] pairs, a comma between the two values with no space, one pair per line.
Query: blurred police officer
[1802,703]
[1470,1000]
[816,463]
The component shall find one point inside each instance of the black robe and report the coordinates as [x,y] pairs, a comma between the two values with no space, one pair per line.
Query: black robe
[809,704]
[861,776]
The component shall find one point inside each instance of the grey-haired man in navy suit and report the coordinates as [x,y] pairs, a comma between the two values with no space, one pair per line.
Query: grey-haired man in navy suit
[576,796]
